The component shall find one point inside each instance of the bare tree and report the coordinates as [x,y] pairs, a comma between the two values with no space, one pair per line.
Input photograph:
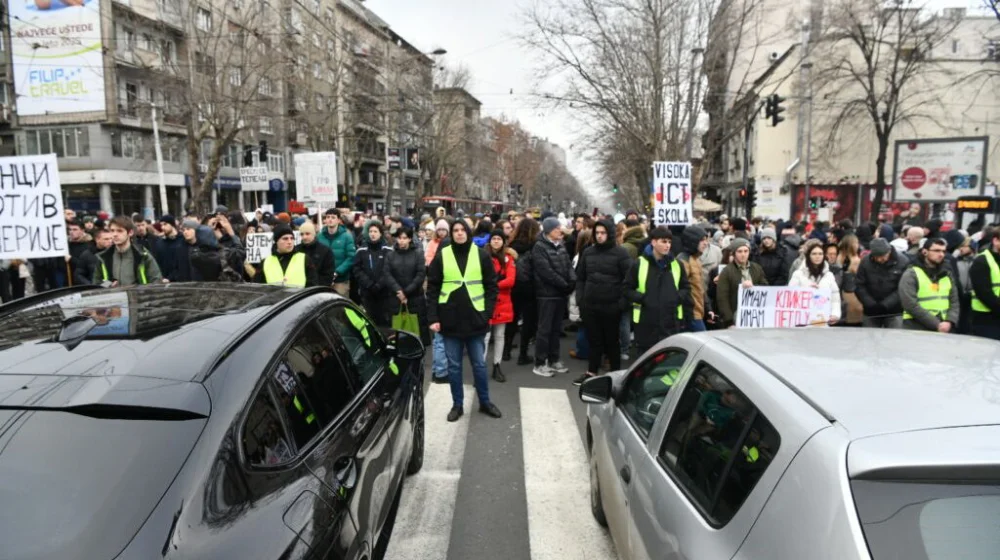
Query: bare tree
[874,62]
[993,6]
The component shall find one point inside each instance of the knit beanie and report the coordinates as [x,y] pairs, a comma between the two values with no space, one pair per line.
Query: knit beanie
[549,224]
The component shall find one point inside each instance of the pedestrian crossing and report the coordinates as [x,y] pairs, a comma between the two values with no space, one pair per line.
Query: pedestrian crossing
[555,484]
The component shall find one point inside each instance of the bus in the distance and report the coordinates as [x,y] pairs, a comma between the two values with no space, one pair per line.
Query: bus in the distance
[452,204]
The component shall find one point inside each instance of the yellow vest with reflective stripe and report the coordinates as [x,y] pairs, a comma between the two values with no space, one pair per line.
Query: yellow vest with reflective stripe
[453,279]
[978,305]
[932,297]
[675,270]
[294,276]
[140,270]
[358,322]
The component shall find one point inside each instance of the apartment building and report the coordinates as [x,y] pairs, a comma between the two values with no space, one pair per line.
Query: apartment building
[459,112]
[768,57]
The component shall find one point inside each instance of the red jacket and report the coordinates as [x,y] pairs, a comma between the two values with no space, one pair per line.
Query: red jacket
[503,312]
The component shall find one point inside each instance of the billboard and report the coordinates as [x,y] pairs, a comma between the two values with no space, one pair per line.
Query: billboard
[939,169]
[57,54]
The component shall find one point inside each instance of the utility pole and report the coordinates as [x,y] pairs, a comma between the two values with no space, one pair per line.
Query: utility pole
[809,134]
[159,162]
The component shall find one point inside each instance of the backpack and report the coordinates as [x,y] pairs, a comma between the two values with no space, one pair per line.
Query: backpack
[523,281]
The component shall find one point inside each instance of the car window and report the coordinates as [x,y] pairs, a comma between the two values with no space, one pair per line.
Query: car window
[647,386]
[717,444]
[265,439]
[361,339]
[310,384]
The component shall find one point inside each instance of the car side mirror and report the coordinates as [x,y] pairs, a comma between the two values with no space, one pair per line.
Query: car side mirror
[597,390]
[406,345]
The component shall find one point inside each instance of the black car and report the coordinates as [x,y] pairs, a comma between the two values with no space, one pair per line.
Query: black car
[215,421]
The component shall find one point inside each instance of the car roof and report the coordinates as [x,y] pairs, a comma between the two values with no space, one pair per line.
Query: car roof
[167,331]
[879,381]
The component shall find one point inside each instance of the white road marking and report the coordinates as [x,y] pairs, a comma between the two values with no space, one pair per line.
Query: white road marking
[557,481]
[427,506]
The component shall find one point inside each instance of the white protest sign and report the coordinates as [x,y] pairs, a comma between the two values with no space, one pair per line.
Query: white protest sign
[782,306]
[32,224]
[316,177]
[672,193]
[253,178]
[258,246]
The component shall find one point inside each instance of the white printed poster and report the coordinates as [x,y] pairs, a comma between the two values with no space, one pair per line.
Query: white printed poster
[258,246]
[940,170]
[32,224]
[253,179]
[673,196]
[316,177]
[109,310]
[765,307]
[57,55]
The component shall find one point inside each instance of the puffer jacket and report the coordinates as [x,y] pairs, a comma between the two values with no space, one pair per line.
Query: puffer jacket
[206,256]
[506,273]
[526,288]
[600,276]
[370,279]
[342,245]
[826,280]
[406,272]
[552,271]
[634,241]
[658,316]
[777,264]
[877,285]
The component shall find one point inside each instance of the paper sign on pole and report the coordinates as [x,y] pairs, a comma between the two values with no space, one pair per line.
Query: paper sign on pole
[253,178]
[32,224]
[782,307]
[258,246]
[316,177]
[672,193]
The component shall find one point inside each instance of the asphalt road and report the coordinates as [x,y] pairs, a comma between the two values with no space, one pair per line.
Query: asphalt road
[507,489]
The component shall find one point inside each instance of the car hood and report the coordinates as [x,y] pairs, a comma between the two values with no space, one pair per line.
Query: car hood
[74,486]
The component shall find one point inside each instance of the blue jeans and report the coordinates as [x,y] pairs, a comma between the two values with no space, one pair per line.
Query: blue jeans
[582,344]
[439,368]
[697,325]
[475,347]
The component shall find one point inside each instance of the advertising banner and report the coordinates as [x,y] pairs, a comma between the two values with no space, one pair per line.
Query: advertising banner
[393,158]
[672,193]
[253,179]
[939,170]
[765,307]
[258,246]
[316,177]
[57,55]
[32,225]
[413,159]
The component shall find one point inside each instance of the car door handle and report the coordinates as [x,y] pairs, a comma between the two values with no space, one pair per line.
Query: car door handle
[626,474]
[346,472]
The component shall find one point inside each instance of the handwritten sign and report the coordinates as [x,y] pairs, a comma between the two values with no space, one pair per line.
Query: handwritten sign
[766,307]
[259,246]
[316,177]
[253,179]
[31,208]
[672,193]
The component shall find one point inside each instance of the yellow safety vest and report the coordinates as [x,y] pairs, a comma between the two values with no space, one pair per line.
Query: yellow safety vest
[142,270]
[670,378]
[310,418]
[675,270]
[932,297]
[294,276]
[978,305]
[453,278]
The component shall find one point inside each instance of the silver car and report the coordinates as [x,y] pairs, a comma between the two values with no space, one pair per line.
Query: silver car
[800,444]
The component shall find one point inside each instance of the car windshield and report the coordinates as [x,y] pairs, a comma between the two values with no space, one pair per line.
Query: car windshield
[927,521]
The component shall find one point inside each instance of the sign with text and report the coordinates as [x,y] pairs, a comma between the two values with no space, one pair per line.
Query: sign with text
[316,177]
[259,246]
[393,158]
[32,225]
[939,170]
[672,193]
[765,307]
[253,178]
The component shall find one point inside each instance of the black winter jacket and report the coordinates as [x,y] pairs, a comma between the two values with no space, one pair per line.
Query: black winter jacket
[552,271]
[369,269]
[320,261]
[658,318]
[407,272]
[600,277]
[168,251]
[982,287]
[522,289]
[777,264]
[457,317]
[83,262]
[877,285]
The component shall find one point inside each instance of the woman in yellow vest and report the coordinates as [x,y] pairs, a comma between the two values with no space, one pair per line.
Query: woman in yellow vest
[285,266]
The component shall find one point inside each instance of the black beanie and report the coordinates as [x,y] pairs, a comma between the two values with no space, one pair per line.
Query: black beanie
[281,231]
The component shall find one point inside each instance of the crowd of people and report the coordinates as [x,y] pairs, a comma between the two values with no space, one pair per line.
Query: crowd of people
[512,280]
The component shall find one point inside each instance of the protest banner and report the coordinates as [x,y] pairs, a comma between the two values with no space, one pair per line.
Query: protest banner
[258,246]
[253,179]
[32,224]
[782,307]
[672,193]
[316,177]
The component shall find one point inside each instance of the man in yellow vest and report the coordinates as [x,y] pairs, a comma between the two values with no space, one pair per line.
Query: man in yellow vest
[928,291]
[286,266]
[659,293]
[984,275]
[461,293]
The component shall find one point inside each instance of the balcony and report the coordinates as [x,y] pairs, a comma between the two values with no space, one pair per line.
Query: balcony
[156,12]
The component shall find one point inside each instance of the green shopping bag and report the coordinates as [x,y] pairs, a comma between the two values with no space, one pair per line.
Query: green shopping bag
[406,321]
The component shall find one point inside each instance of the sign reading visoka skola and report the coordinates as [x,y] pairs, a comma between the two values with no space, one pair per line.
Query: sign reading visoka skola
[672,193]
[32,224]
[782,307]
[58,56]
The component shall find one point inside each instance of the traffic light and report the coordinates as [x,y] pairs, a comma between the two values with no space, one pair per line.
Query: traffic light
[773,109]
[263,152]
[614,188]
[753,197]
[247,156]
[743,193]
[813,203]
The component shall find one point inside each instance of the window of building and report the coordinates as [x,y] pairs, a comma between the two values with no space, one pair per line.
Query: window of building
[319,102]
[168,51]
[146,42]
[231,155]
[127,144]
[317,70]
[236,77]
[126,42]
[205,64]
[954,46]
[316,40]
[264,86]
[717,444]
[203,19]
[275,163]
[173,148]
[266,126]
[63,142]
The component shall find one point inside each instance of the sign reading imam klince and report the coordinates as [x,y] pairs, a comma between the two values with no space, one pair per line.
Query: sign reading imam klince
[58,57]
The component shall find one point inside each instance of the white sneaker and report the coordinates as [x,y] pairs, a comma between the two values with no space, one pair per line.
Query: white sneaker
[558,367]
[543,370]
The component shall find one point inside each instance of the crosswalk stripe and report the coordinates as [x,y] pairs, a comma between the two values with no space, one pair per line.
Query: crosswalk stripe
[423,524]
[557,481]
